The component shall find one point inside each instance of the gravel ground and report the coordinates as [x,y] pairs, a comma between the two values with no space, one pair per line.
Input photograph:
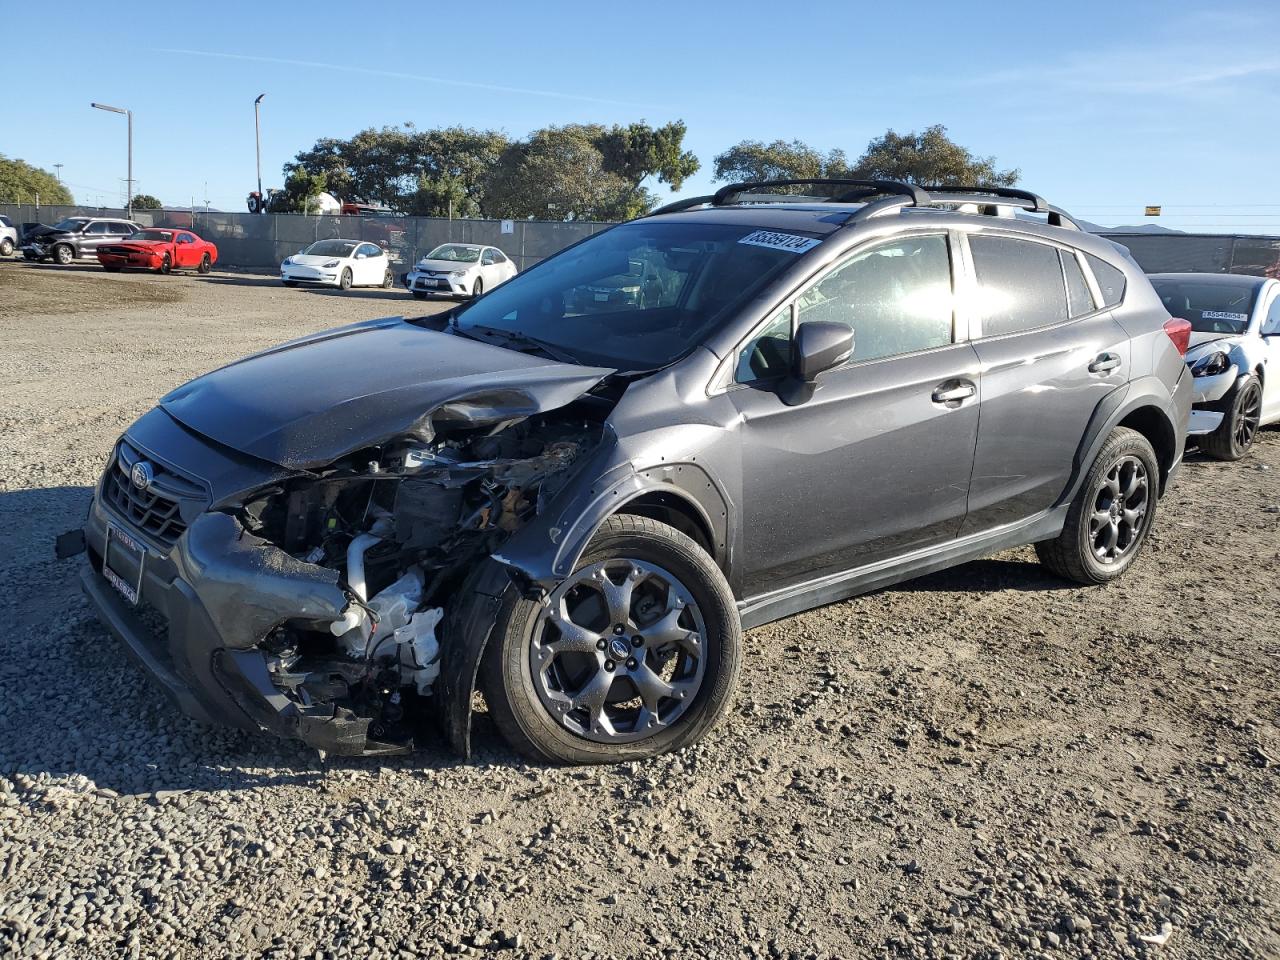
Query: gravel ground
[984,763]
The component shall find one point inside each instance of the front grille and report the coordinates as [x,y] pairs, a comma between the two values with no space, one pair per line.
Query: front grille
[156,511]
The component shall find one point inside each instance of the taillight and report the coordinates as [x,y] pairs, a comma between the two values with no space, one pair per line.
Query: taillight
[1179,332]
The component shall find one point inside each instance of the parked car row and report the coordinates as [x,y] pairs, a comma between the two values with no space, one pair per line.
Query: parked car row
[576,491]
[459,270]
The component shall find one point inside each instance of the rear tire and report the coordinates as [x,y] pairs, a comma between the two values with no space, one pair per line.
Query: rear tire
[388,280]
[63,254]
[345,280]
[205,264]
[1110,517]
[1242,415]
[542,668]
[417,295]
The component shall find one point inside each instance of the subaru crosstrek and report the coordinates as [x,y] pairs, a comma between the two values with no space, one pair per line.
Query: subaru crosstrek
[578,507]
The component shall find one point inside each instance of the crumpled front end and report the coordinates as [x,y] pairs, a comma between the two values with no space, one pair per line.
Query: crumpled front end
[312,605]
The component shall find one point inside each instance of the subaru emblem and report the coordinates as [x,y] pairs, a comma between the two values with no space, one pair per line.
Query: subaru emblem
[142,475]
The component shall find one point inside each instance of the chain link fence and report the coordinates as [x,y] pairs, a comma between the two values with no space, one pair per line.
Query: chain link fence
[262,240]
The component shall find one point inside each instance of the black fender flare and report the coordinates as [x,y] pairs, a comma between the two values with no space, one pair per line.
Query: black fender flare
[1111,411]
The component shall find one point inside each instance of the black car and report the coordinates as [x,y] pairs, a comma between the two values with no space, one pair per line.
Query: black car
[74,238]
[580,510]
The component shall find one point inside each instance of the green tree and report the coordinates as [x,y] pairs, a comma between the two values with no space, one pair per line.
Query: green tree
[22,183]
[752,160]
[145,201]
[299,194]
[637,152]
[929,157]
[557,174]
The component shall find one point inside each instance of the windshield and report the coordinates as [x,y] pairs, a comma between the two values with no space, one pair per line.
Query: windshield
[1211,306]
[162,235]
[330,248]
[639,296]
[71,224]
[455,252]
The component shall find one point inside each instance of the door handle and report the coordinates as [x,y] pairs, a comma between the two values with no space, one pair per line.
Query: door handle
[954,391]
[1104,363]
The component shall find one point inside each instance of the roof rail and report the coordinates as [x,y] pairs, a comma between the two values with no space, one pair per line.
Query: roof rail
[731,193]
[892,194]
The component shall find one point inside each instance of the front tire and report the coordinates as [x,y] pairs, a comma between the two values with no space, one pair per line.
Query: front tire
[290,283]
[477,289]
[418,296]
[635,654]
[345,280]
[63,254]
[205,264]
[1110,518]
[6,247]
[166,265]
[388,280]
[1242,416]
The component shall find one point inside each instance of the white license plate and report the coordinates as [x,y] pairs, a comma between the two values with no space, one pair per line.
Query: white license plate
[122,562]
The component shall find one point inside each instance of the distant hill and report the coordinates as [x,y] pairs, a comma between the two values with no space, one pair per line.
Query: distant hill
[1141,228]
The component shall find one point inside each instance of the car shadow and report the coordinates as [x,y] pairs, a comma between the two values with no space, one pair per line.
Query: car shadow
[988,576]
[258,280]
[76,708]
[80,266]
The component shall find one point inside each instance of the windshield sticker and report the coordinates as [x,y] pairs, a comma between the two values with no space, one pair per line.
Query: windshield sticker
[780,241]
[1223,315]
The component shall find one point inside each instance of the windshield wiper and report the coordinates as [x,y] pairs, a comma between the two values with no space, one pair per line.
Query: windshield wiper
[517,340]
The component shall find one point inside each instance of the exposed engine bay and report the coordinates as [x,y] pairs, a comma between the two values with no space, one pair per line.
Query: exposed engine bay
[402,524]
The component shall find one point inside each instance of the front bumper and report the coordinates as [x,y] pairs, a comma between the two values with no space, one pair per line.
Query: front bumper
[434,285]
[1214,388]
[219,592]
[139,261]
[37,250]
[309,275]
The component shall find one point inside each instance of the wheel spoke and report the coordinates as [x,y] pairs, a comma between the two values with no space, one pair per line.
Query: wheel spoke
[573,638]
[617,596]
[1137,481]
[592,698]
[652,687]
[1113,481]
[1110,536]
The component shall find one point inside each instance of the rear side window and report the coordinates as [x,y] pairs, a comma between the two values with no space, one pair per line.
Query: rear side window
[1020,285]
[1110,280]
[5,221]
[1079,299]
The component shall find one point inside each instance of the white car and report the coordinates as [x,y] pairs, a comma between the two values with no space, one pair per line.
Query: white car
[339,263]
[1234,355]
[8,237]
[459,270]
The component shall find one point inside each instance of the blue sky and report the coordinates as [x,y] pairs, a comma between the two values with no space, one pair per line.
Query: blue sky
[1104,106]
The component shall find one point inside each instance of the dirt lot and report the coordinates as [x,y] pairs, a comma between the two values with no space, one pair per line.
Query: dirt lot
[984,763]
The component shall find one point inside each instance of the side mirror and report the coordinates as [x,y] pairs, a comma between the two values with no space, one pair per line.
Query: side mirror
[361,256]
[820,345]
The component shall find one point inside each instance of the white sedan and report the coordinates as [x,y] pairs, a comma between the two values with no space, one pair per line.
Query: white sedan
[338,263]
[1234,355]
[459,270]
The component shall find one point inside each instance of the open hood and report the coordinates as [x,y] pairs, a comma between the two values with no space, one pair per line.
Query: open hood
[307,403]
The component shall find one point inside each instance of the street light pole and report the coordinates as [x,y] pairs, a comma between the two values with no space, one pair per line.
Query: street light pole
[257,143]
[129,115]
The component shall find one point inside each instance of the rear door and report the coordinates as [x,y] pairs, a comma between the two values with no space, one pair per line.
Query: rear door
[1050,353]
[877,463]
[1270,330]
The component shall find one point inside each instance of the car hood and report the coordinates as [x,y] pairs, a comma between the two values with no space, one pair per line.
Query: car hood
[1221,341]
[303,260]
[444,266]
[42,232]
[312,401]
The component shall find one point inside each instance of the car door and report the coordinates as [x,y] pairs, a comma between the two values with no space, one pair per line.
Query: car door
[1050,352]
[490,270]
[1270,330]
[95,235]
[184,250]
[370,266]
[877,462]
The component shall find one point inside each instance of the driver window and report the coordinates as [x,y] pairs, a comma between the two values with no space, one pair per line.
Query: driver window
[1271,324]
[767,355]
[487,259]
[896,297]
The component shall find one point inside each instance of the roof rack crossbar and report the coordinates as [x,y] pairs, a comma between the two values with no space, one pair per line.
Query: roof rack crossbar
[1013,193]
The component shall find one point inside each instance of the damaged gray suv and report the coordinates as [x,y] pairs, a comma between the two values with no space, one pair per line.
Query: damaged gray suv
[575,500]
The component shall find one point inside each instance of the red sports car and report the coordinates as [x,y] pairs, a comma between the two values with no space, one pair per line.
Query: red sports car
[161,249]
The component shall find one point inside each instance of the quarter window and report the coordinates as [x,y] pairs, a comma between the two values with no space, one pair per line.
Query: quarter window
[1020,285]
[1079,299]
[1110,280]
[896,297]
